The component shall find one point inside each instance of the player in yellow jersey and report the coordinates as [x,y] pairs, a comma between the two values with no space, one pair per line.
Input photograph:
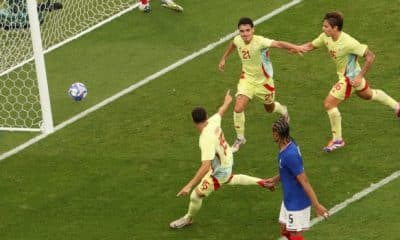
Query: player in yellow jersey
[216,163]
[344,50]
[256,78]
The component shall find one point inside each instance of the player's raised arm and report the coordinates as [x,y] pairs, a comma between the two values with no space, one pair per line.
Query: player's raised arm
[227,52]
[225,105]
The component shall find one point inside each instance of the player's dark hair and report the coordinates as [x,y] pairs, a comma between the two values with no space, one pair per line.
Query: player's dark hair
[199,114]
[245,21]
[335,19]
[282,128]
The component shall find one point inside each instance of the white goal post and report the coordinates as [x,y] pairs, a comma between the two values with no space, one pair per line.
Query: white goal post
[28,30]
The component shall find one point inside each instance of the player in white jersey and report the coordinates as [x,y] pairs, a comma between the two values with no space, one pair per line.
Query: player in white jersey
[216,163]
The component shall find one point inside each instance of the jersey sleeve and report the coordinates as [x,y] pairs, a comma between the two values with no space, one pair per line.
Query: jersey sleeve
[207,149]
[319,41]
[236,40]
[216,119]
[294,163]
[357,48]
[265,42]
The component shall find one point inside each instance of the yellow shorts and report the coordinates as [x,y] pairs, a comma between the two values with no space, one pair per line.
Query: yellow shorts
[343,89]
[265,91]
[209,184]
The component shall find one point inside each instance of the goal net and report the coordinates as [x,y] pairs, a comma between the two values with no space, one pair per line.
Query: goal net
[60,21]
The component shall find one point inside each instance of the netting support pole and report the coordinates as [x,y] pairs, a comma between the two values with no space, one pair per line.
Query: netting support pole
[47,124]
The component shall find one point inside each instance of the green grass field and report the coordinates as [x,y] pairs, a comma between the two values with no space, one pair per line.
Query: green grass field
[115,173]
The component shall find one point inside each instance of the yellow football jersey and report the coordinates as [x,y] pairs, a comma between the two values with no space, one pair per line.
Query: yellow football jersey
[255,58]
[344,52]
[213,145]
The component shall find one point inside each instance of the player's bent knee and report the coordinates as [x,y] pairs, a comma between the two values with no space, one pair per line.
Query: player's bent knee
[240,103]
[328,106]
[365,94]
[238,110]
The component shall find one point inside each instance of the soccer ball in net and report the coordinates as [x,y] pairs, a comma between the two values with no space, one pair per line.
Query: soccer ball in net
[78,91]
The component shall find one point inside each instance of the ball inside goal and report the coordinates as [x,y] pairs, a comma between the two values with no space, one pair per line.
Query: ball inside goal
[78,91]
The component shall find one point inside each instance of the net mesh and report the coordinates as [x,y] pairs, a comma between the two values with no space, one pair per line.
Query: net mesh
[19,95]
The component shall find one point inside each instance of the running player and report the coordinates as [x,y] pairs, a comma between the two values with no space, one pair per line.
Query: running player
[344,50]
[256,79]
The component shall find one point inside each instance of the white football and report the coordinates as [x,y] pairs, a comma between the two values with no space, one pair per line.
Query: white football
[78,91]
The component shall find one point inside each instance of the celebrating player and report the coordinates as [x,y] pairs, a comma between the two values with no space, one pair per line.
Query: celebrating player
[217,162]
[298,194]
[256,78]
[344,51]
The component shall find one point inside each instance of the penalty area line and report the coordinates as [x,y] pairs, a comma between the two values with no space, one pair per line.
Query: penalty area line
[144,82]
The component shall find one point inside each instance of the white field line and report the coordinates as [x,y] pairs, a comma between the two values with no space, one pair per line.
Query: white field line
[36,139]
[20,129]
[355,197]
[72,38]
[143,82]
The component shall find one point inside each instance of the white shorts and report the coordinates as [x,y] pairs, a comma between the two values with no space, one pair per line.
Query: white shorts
[295,221]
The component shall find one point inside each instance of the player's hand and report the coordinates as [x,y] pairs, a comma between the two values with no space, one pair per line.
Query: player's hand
[228,97]
[321,211]
[299,49]
[307,47]
[270,183]
[184,191]
[294,51]
[356,81]
[221,65]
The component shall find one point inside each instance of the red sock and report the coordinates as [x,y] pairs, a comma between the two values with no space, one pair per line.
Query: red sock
[296,238]
[144,2]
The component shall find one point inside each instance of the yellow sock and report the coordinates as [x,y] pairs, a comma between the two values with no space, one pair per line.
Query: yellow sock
[241,179]
[382,97]
[336,123]
[279,108]
[194,205]
[239,120]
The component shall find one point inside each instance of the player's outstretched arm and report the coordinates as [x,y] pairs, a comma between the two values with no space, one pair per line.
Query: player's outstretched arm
[308,47]
[320,209]
[225,105]
[227,52]
[293,48]
[201,172]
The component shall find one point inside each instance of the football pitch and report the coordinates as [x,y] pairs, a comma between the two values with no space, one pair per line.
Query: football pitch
[114,173]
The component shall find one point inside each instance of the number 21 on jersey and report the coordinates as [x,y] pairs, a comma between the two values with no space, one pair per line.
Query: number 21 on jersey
[246,54]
